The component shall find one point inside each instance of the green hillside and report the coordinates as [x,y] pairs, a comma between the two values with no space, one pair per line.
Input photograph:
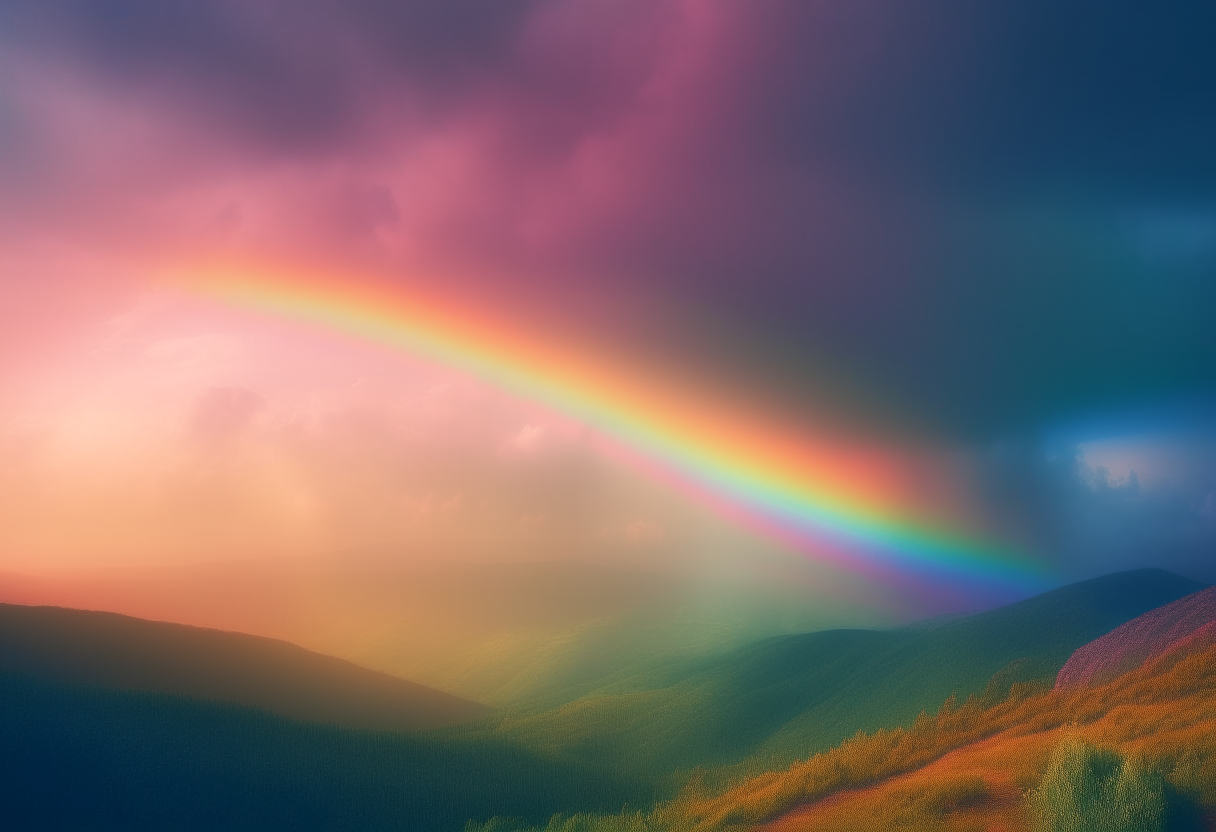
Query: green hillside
[786,697]
[76,758]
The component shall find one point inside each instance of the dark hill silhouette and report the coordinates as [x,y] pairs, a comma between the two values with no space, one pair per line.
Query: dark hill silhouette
[116,651]
[76,758]
[1129,645]
[787,697]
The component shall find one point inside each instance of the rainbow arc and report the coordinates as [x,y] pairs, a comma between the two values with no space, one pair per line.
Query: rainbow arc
[837,506]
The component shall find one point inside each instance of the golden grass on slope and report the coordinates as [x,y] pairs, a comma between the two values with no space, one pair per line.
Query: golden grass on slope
[1157,724]
[883,806]
[967,767]
[863,760]
[923,807]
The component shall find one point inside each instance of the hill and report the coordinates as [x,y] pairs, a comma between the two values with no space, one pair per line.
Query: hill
[116,651]
[783,698]
[74,757]
[521,634]
[1137,753]
[1130,645]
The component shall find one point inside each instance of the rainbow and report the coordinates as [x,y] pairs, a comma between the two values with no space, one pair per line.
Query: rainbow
[836,505]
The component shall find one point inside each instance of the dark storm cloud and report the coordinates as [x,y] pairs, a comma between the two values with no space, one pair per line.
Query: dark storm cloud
[947,202]
[1114,94]
[1013,155]
[317,76]
[1002,94]
[296,74]
[1094,522]
[970,218]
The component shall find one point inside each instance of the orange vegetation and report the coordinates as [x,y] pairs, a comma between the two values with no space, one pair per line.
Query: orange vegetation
[1164,713]
[969,767]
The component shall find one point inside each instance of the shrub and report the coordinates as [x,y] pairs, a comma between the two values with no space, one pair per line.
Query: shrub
[1087,789]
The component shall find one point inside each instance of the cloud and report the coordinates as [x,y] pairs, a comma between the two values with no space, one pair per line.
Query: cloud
[195,351]
[636,533]
[302,447]
[945,218]
[925,204]
[527,439]
[223,413]
[1092,521]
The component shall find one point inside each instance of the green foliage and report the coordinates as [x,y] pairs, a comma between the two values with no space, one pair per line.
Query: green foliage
[1087,789]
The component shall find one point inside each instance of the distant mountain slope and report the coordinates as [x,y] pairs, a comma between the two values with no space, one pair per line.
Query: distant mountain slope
[1128,646]
[787,697]
[116,651]
[536,634]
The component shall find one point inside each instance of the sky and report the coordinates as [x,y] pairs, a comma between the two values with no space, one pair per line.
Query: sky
[910,306]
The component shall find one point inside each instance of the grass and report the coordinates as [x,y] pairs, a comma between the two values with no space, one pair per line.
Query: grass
[777,701]
[1090,789]
[1142,746]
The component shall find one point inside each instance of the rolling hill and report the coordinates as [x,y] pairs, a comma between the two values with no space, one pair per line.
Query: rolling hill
[85,742]
[1137,752]
[115,651]
[783,698]
[529,634]
[75,758]
[1130,645]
